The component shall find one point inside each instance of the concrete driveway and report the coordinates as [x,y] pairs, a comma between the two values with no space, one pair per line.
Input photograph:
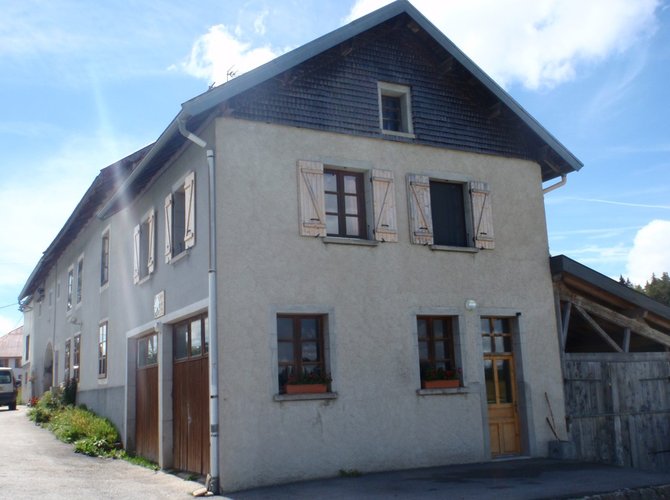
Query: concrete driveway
[34,464]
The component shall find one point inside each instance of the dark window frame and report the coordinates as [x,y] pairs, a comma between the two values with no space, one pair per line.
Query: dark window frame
[80,279]
[104,259]
[341,196]
[103,332]
[448,362]
[297,365]
[203,319]
[449,209]
[76,356]
[67,362]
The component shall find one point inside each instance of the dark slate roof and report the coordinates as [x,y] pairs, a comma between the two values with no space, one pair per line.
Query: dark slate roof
[107,182]
[555,159]
[560,264]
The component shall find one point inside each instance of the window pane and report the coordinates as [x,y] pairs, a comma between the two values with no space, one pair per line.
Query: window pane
[500,325]
[485,325]
[423,350]
[490,383]
[421,328]
[178,221]
[438,328]
[285,352]
[308,328]
[440,350]
[352,226]
[330,181]
[448,211]
[284,328]
[350,186]
[181,341]
[206,322]
[332,225]
[310,351]
[331,203]
[351,205]
[196,338]
[504,381]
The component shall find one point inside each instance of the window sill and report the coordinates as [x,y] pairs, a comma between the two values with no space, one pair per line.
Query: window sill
[180,256]
[104,287]
[445,248]
[442,392]
[143,280]
[350,241]
[304,397]
[406,135]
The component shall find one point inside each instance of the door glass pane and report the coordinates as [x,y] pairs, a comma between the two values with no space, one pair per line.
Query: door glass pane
[350,184]
[181,341]
[308,327]
[504,380]
[196,338]
[285,328]
[152,349]
[486,343]
[490,383]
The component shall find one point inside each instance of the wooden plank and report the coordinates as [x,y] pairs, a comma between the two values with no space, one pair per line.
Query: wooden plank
[598,329]
[635,325]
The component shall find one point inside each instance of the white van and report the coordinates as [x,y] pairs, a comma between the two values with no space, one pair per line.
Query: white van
[7,388]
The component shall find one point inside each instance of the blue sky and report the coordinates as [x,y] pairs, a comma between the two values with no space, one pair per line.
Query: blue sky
[83,84]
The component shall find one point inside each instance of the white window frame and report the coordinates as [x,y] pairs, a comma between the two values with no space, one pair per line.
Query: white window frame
[69,302]
[106,233]
[139,270]
[403,92]
[79,283]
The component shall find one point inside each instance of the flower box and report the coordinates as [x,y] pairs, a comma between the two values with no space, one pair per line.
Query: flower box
[306,388]
[440,384]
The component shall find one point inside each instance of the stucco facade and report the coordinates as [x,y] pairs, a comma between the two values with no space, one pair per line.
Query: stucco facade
[286,140]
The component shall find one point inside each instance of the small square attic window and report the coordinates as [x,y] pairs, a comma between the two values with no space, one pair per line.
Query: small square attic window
[395,109]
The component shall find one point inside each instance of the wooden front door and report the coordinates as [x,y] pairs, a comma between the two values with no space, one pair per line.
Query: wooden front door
[146,398]
[190,396]
[501,391]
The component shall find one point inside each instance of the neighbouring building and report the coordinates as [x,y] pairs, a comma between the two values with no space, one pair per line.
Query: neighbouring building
[375,222]
[11,349]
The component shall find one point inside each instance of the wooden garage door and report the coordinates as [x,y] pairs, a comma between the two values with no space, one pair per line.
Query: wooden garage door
[146,398]
[190,396]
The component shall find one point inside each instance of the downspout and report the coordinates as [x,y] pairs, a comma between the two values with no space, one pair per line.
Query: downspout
[213,358]
[561,183]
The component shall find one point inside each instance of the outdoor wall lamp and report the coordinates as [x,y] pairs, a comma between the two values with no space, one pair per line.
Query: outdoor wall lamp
[471,304]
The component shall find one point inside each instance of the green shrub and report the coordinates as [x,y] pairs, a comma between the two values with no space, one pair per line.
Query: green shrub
[68,396]
[72,424]
[45,407]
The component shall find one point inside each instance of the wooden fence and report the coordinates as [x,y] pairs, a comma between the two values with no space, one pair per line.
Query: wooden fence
[618,407]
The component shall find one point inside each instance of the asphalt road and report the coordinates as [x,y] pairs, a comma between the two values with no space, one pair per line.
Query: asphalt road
[34,464]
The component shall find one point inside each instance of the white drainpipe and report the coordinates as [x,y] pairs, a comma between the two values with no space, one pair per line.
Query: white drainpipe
[213,358]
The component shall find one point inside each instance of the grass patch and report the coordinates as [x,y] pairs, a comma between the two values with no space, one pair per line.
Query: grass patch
[89,433]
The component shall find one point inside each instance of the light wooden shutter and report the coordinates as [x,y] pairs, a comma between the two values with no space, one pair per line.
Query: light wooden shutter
[383,199]
[136,254]
[312,204]
[189,198]
[151,242]
[420,217]
[168,228]
[482,221]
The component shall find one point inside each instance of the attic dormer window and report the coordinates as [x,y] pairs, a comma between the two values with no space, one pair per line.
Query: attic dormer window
[395,109]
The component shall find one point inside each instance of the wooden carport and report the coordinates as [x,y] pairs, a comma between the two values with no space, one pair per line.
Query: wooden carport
[615,349]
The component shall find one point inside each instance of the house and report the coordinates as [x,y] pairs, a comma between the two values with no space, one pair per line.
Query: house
[616,363]
[366,212]
[11,349]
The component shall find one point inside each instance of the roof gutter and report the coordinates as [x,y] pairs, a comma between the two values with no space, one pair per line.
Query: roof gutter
[213,358]
[561,183]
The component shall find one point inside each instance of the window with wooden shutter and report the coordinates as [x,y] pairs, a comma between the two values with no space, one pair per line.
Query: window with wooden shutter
[136,254]
[189,220]
[151,242]
[383,194]
[312,207]
[168,228]
[482,219]
[420,220]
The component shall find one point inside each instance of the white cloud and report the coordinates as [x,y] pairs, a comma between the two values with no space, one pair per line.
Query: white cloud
[220,51]
[259,22]
[650,252]
[536,44]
